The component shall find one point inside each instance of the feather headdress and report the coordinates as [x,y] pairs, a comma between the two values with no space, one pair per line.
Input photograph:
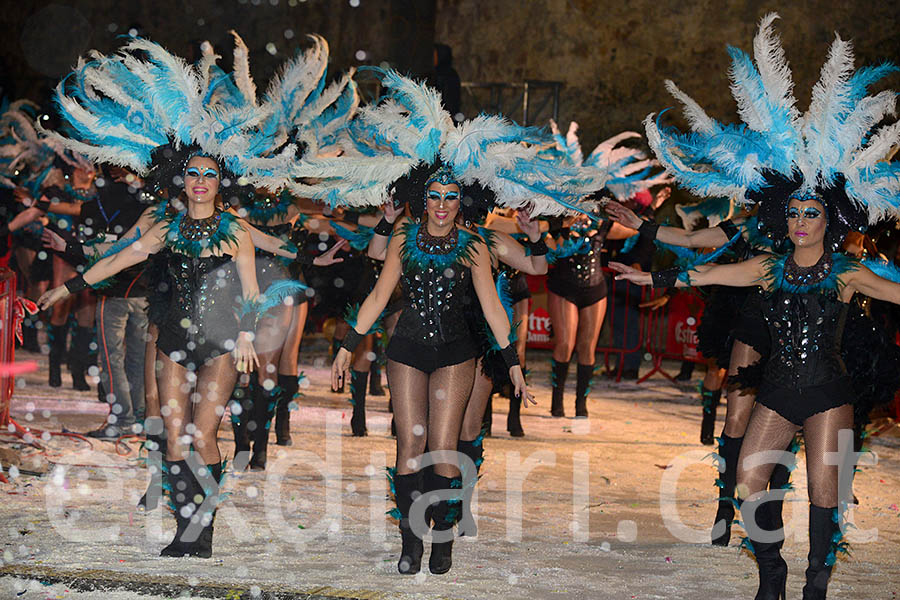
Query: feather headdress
[26,152]
[627,170]
[123,108]
[409,133]
[777,151]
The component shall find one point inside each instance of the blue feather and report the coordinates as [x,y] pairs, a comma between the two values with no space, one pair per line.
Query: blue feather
[275,294]
[359,239]
[882,268]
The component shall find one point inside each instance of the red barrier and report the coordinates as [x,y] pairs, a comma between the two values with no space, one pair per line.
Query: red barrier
[7,340]
[672,331]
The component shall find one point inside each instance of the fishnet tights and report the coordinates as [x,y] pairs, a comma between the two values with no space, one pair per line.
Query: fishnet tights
[201,403]
[428,410]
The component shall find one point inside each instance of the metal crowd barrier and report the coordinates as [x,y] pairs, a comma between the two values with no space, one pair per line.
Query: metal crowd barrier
[7,340]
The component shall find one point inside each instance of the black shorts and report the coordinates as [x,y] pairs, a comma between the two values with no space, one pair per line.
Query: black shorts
[580,297]
[428,358]
[176,346]
[798,404]
[518,288]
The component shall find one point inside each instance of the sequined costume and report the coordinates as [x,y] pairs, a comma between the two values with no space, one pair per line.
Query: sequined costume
[579,278]
[201,317]
[805,373]
[270,268]
[432,331]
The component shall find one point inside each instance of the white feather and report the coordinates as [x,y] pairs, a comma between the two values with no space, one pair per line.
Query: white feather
[697,118]
[242,78]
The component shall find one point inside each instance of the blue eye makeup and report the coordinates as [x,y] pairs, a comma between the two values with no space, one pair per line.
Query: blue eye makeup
[811,213]
[793,213]
[195,172]
[210,173]
[192,172]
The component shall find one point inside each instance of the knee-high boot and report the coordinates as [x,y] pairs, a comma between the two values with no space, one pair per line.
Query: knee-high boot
[263,411]
[179,483]
[289,385]
[406,489]
[241,413]
[375,388]
[584,375]
[358,387]
[475,451]
[772,567]
[487,419]
[82,356]
[513,418]
[445,514]
[710,400]
[824,543]
[729,451]
[559,371]
[202,548]
[56,336]
[30,334]
[156,448]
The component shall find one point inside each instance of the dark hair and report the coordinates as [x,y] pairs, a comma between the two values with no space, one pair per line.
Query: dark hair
[475,203]
[773,197]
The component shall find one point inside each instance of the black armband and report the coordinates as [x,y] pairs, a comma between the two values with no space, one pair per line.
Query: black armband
[556,225]
[351,217]
[384,227]
[538,248]
[510,356]
[649,229]
[351,340]
[42,205]
[76,284]
[248,321]
[665,278]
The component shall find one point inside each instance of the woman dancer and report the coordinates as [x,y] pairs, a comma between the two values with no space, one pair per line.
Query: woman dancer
[477,163]
[208,352]
[818,181]
[576,285]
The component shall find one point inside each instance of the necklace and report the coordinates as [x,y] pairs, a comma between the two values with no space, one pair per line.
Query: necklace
[432,244]
[796,275]
[193,236]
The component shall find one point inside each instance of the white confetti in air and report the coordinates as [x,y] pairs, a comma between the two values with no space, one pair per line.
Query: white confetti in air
[354,3]
[691,321]
[112,27]
[271,49]
[133,32]
[459,116]
[288,34]
[418,430]
[361,55]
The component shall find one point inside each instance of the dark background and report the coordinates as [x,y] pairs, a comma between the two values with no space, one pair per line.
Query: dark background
[611,56]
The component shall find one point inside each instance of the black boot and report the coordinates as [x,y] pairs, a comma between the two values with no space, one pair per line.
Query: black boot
[729,451]
[583,378]
[241,413]
[772,568]
[558,373]
[202,548]
[375,388]
[710,400]
[180,485]
[824,541]
[156,448]
[487,419]
[513,418]
[56,337]
[30,334]
[406,489]
[444,515]
[475,451]
[263,411]
[358,383]
[289,386]
[335,346]
[82,356]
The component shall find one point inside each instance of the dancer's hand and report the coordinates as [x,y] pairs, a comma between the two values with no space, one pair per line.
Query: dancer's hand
[622,215]
[655,303]
[631,274]
[517,377]
[339,367]
[53,240]
[528,226]
[245,358]
[391,211]
[51,297]
[327,257]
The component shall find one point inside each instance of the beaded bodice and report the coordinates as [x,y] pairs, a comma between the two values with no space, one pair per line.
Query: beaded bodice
[805,318]
[583,270]
[436,284]
[202,300]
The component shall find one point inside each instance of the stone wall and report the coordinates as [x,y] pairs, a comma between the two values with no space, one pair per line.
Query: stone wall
[42,40]
[614,56]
